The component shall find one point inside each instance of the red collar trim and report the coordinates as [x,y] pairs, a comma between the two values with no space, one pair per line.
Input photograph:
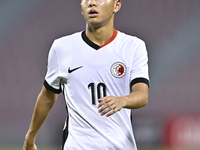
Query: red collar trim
[111,39]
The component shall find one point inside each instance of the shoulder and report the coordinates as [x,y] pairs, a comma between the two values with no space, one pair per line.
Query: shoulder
[130,44]
[129,39]
[66,44]
[73,38]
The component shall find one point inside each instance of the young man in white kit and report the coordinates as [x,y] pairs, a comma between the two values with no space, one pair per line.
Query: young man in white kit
[103,74]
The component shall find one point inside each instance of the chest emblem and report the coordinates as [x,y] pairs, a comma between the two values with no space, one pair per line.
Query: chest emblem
[118,69]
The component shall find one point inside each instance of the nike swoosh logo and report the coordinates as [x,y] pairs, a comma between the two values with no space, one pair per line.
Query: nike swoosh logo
[72,70]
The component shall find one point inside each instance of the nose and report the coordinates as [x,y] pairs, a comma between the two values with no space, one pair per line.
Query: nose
[92,3]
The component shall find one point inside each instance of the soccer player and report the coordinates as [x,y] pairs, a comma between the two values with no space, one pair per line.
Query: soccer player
[103,74]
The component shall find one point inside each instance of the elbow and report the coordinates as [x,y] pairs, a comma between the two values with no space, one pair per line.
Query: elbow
[146,97]
[141,103]
[145,100]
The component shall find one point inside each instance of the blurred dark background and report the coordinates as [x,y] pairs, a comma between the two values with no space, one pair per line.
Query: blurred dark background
[171,30]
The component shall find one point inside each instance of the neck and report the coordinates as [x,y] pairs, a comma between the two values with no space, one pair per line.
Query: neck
[99,35]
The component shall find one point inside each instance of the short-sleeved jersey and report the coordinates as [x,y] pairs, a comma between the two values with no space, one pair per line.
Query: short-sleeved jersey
[85,72]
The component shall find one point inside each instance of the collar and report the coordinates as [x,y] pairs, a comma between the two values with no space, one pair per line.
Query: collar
[95,46]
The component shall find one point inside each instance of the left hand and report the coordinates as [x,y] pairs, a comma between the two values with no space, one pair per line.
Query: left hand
[110,105]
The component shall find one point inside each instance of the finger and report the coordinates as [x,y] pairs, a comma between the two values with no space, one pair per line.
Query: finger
[106,106]
[111,113]
[101,99]
[114,110]
[103,102]
[108,109]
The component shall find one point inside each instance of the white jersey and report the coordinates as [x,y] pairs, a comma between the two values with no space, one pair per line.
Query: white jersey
[86,72]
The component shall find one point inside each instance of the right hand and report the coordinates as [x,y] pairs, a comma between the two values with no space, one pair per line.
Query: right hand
[29,145]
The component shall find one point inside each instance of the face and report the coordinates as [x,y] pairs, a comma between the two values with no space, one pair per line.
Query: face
[99,12]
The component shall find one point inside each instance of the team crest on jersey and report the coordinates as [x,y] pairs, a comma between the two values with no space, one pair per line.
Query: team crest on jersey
[118,69]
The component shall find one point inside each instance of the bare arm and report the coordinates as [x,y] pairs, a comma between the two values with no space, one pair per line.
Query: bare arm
[45,102]
[139,96]
[137,99]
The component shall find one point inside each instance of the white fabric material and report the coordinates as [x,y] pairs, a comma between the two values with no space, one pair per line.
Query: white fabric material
[87,129]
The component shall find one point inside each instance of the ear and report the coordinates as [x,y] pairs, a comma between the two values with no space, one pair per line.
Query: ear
[81,9]
[118,4]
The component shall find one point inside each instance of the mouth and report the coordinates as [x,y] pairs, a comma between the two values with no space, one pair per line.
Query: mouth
[93,13]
